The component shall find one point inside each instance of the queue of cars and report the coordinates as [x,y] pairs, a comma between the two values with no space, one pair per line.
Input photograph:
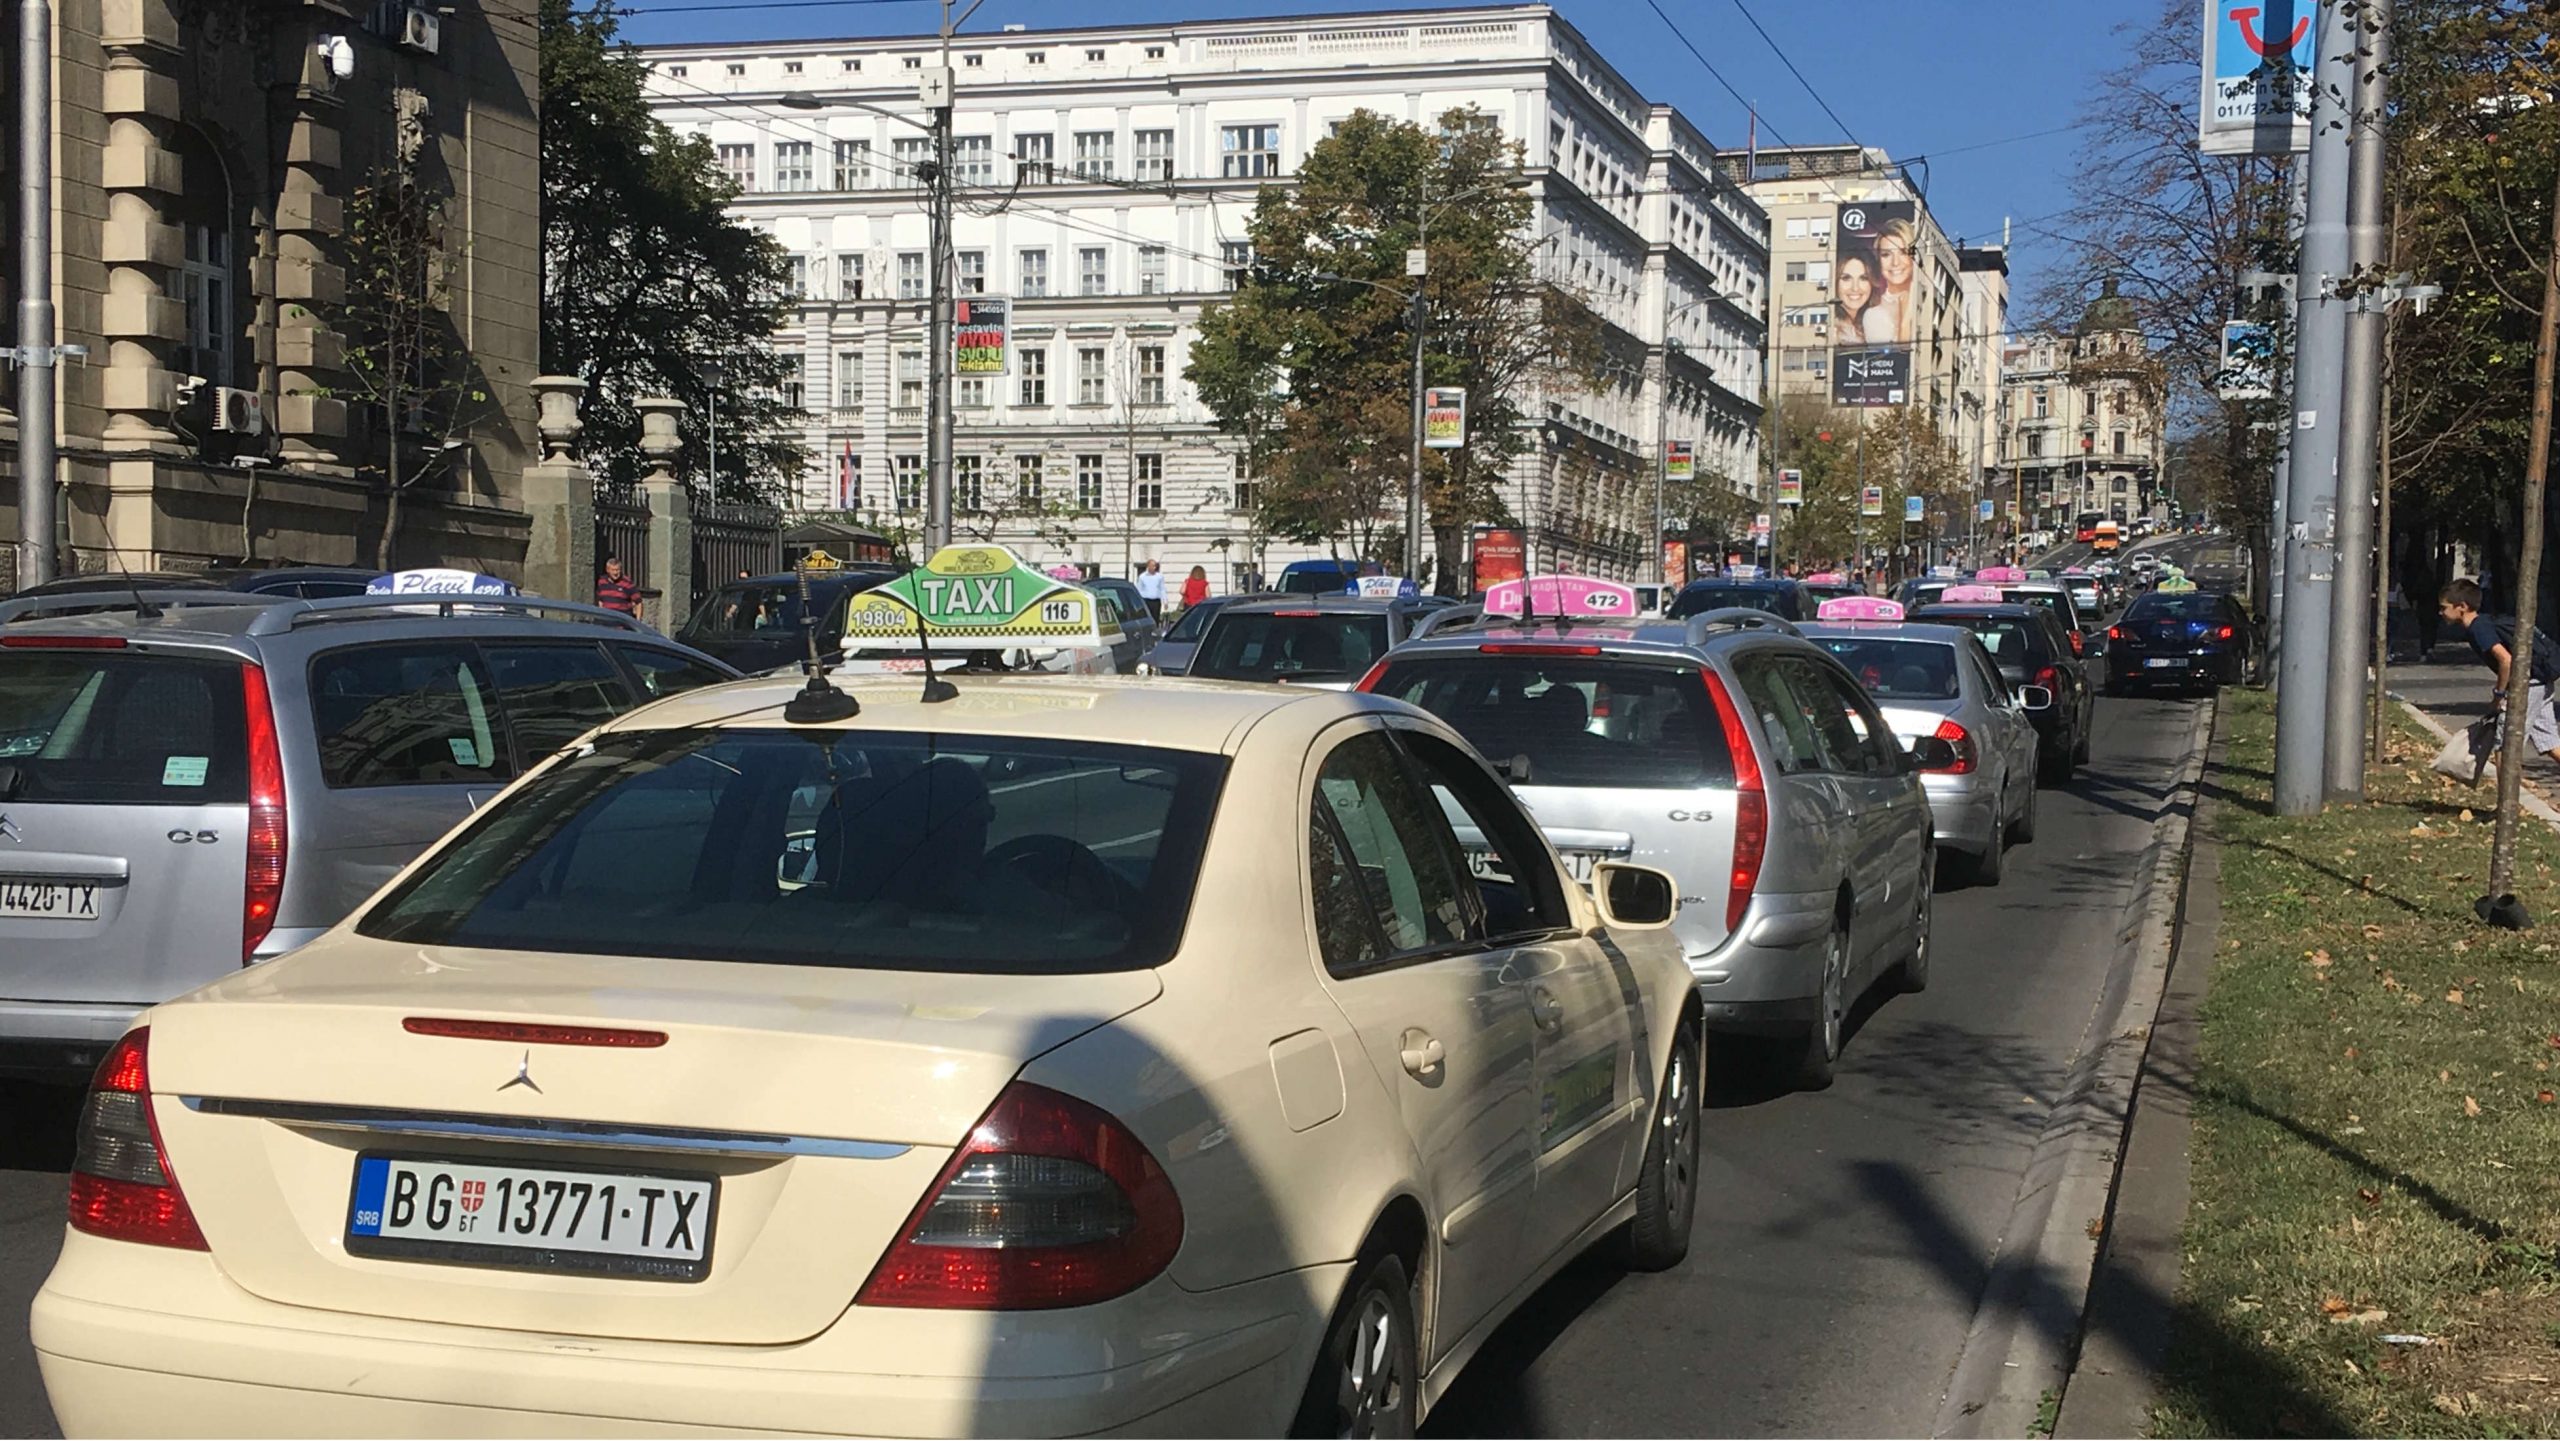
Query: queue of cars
[1027,1053]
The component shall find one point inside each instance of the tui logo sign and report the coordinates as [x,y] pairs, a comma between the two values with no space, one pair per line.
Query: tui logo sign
[2258,67]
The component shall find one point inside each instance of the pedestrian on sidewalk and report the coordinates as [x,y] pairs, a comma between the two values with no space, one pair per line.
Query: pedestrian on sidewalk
[1196,588]
[617,591]
[2493,639]
[1151,588]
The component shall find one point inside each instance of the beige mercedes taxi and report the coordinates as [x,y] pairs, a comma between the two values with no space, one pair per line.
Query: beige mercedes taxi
[1064,1056]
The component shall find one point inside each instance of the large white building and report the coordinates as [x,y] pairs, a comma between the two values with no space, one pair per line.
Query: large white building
[1056,131]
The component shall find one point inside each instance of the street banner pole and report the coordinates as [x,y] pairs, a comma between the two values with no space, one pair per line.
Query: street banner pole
[2359,409]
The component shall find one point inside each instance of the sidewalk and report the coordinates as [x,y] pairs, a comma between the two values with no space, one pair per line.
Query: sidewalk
[2452,686]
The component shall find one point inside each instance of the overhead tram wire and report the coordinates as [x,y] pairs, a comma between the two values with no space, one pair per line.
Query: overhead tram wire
[1708,65]
[1846,133]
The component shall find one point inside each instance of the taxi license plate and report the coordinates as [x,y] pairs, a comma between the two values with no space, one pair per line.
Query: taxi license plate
[1577,864]
[539,1218]
[49,900]
[2165,662]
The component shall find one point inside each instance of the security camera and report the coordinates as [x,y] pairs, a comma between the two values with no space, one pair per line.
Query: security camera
[337,54]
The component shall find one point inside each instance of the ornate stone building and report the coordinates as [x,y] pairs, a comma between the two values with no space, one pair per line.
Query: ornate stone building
[205,152]
[2081,421]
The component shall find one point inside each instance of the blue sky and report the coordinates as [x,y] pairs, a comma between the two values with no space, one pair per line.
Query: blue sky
[1916,77]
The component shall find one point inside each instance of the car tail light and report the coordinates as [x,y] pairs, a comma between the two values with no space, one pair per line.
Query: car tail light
[531,1034]
[121,1184]
[2076,642]
[1526,648]
[1298,614]
[1750,805]
[2050,678]
[63,642]
[1370,681]
[2223,633]
[1050,1202]
[262,881]
[1962,740]
[2115,632]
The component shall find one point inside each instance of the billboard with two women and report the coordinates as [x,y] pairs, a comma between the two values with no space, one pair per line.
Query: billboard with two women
[1874,302]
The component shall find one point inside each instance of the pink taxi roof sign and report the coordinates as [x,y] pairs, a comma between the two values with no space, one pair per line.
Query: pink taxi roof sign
[1826,577]
[1561,595]
[1858,607]
[2000,575]
[1971,595]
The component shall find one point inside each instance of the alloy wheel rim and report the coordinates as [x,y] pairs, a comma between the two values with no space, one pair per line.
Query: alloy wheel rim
[1835,981]
[1372,1383]
[1920,923]
[1680,1137]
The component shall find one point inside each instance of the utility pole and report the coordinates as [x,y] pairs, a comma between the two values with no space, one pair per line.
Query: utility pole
[37,357]
[2500,906]
[935,93]
[2311,480]
[2359,406]
[1417,263]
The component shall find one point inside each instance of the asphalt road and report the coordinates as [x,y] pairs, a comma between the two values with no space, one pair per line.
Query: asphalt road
[1843,1238]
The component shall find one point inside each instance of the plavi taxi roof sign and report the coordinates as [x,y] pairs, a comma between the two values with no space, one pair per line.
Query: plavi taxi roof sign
[1555,595]
[1383,587]
[437,581]
[974,595]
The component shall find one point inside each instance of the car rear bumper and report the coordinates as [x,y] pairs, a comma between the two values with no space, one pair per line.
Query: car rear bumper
[1767,974]
[60,1040]
[209,1359]
[1962,811]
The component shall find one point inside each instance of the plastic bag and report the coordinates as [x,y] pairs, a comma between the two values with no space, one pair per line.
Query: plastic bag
[2464,756]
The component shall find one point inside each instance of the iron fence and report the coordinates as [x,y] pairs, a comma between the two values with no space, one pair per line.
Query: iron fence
[732,539]
[622,530]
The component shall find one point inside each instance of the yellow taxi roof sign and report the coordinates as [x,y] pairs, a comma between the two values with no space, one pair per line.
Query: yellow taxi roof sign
[974,595]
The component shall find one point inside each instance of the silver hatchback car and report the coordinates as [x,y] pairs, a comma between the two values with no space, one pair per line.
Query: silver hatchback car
[1937,680]
[191,785]
[1733,753]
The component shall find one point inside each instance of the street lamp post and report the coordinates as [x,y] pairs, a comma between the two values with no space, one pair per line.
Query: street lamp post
[1417,266]
[1662,444]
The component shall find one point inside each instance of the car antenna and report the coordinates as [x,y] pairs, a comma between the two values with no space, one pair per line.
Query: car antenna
[936,689]
[818,702]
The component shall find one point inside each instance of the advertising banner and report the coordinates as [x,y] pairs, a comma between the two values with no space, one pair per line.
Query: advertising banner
[1675,561]
[1871,501]
[981,335]
[1680,460]
[1444,418]
[2257,77]
[1982,509]
[2248,369]
[1500,555]
[1791,487]
[1914,510]
[1875,301]
[1760,527]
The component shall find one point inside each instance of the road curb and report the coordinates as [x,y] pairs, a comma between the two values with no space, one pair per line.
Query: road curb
[2114,1380]
[2017,1355]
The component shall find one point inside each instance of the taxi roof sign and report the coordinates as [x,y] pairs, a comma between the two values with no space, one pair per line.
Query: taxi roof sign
[1561,595]
[1999,574]
[974,594]
[1383,587]
[1858,607]
[820,560]
[1972,595]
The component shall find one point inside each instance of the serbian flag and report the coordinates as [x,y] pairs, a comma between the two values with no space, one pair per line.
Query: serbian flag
[848,479]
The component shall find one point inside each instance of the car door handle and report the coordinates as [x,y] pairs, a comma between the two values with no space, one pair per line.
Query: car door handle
[1545,1009]
[1423,1052]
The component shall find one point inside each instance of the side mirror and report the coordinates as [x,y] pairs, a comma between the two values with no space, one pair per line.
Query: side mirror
[1929,753]
[2035,697]
[1634,898]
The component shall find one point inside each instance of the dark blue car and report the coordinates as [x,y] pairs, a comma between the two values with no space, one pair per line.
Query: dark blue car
[2181,640]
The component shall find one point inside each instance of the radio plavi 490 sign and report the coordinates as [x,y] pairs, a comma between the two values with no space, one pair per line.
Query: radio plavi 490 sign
[981,335]
[1444,418]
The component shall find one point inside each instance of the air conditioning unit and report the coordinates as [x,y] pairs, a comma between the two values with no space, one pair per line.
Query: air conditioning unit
[421,30]
[238,412]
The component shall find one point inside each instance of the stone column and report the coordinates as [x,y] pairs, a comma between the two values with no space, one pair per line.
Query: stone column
[560,496]
[308,282]
[142,316]
[670,511]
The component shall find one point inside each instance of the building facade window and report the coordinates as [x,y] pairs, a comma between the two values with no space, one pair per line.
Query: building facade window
[1032,373]
[973,159]
[795,165]
[204,283]
[911,275]
[853,164]
[793,384]
[1248,151]
[2035,444]
[1235,261]
[2043,406]
[1029,485]
[1151,155]
[1151,375]
[1093,270]
[1035,274]
[1151,267]
[1149,494]
[907,153]
[1089,482]
[968,485]
[848,277]
[738,162]
[911,380]
[1035,157]
[910,483]
[1091,380]
[848,380]
[972,393]
[1093,154]
[973,272]
[1245,496]
[795,276]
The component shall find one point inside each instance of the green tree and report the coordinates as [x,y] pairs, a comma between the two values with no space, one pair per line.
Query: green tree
[1311,361]
[408,371]
[645,274]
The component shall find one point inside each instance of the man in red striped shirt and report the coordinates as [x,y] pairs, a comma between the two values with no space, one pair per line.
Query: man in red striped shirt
[616,591]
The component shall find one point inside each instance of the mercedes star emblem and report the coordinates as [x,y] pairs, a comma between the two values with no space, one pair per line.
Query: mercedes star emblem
[524,1076]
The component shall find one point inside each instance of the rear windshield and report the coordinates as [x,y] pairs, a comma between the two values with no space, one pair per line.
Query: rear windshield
[1581,722]
[2010,639]
[1894,670]
[1699,599]
[2049,599]
[1193,622]
[1314,582]
[120,728]
[1291,645]
[736,611]
[863,850]
[2191,606]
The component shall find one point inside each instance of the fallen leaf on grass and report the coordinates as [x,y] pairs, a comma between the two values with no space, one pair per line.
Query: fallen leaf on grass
[2352,1053]
[2444,1075]
[2454,995]
[2460,946]
[2466,813]
[2373,933]
[2391,982]
[2334,1306]
[2545,1097]
[2470,1107]
[2368,1195]
[2420,829]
